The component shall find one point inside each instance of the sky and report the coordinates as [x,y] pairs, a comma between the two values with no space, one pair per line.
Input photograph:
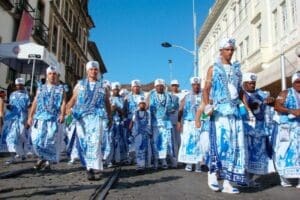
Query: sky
[129,34]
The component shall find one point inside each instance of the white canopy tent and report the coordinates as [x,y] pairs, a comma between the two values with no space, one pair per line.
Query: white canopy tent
[27,58]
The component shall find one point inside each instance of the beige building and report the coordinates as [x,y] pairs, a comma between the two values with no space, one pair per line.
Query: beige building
[62,26]
[263,29]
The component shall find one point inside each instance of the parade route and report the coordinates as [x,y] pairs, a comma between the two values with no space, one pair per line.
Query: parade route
[69,182]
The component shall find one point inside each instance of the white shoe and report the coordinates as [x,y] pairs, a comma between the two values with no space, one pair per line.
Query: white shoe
[10,161]
[284,182]
[198,168]
[228,188]
[188,167]
[212,181]
[298,186]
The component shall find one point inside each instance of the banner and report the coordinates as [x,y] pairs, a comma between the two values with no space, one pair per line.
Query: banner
[25,27]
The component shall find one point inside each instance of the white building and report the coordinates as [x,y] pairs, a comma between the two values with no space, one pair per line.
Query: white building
[263,30]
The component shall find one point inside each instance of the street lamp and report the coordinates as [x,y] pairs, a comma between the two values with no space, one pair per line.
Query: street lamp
[194,52]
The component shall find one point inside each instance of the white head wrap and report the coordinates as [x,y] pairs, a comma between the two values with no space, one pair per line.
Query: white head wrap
[91,64]
[124,92]
[159,82]
[135,83]
[106,83]
[52,69]
[195,80]
[141,100]
[20,81]
[295,76]
[174,82]
[227,42]
[115,85]
[249,76]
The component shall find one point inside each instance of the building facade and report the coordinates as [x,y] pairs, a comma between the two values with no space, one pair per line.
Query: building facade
[264,30]
[62,26]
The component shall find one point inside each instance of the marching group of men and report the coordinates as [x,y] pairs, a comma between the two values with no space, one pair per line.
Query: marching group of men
[229,126]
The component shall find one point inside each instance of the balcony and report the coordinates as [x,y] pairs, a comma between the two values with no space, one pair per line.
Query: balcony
[40,32]
[7,4]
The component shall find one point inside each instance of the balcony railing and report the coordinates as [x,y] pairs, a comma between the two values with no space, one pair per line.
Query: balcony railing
[40,31]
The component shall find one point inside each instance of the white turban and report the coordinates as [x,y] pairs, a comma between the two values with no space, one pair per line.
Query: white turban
[52,69]
[135,83]
[295,76]
[159,82]
[141,100]
[20,81]
[91,64]
[227,42]
[174,82]
[115,85]
[249,76]
[195,80]
[106,83]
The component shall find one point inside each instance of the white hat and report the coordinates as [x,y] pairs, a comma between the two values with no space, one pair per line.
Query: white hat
[227,42]
[249,76]
[141,100]
[115,85]
[195,80]
[124,92]
[135,83]
[20,81]
[174,82]
[159,82]
[106,83]
[91,64]
[295,76]
[52,69]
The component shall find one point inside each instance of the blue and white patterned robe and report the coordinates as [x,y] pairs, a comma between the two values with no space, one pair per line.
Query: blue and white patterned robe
[44,131]
[174,118]
[160,108]
[141,132]
[287,148]
[257,136]
[227,144]
[131,107]
[88,113]
[119,139]
[13,135]
[190,148]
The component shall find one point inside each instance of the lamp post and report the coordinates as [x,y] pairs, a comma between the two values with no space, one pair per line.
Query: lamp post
[171,69]
[194,52]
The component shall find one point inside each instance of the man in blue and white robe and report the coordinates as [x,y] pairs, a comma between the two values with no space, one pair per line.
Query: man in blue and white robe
[131,105]
[257,131]
[176,98]
[13,137]
[190,148]
[287,146]
[88,105]
[47,111]
[141,132]
[119,139]
[227,143]
[160,104]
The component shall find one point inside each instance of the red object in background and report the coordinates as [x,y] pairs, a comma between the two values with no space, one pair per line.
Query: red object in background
[25,27]
[2,94]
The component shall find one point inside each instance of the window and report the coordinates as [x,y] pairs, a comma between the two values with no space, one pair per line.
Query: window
[241,9]
[275,25]
[54,39]
[284,17]
[241,50]
[57,3]
[258,35]
[247,46]
[63,50]
[294,11]
[67,54]
[66,11]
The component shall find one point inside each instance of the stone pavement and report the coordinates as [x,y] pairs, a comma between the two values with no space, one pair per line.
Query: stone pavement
[69,182]
[179,184]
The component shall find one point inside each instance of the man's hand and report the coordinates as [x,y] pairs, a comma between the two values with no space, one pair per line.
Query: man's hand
[179,127]
[29,121]
[197,123]
[61,119]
